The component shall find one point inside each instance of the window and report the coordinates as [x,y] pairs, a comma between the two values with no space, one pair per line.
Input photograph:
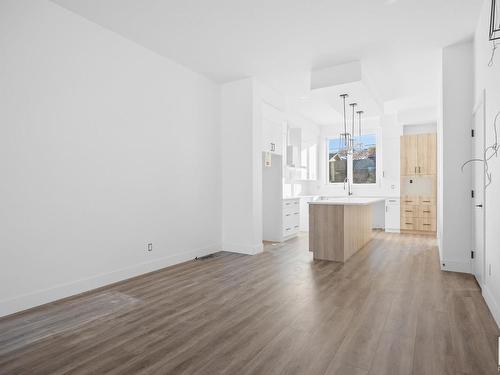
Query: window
[337,162]
[364,160]
[360,167]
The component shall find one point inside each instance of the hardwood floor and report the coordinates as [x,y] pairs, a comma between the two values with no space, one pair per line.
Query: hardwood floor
[388,310]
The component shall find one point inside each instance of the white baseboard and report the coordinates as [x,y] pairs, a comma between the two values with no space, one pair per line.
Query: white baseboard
[40,297]
[389,230]
[243,249]
[453,266]
[492,304]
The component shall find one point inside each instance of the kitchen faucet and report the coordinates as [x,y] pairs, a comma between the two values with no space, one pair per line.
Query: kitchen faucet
[349,186]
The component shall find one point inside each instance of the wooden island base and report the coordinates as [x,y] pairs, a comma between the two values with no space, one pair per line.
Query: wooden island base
[336,232]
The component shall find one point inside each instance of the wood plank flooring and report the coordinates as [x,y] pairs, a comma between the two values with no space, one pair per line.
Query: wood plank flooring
[388,310]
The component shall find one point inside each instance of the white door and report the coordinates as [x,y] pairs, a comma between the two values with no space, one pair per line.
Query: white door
[478,181]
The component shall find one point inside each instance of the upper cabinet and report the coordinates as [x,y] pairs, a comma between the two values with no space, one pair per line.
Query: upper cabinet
[418,154]
[426,154]
[273,126]
[293,148]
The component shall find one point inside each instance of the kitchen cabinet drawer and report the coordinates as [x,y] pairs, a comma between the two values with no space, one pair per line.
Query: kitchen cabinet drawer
[409,200]
[427,201]
[409,223]
[427,212]
[290,205]
[409,211]
[289,230]
[427,225]
[291,219]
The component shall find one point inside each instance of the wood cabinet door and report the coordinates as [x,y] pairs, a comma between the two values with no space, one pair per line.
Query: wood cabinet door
[426,154]
[409,144]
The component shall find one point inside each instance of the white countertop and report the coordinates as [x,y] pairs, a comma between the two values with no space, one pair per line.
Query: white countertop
[363,201]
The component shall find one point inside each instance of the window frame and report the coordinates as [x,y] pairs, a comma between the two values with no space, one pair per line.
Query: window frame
[350,164]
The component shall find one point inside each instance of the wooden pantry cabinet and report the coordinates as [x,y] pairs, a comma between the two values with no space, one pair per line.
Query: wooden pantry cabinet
[418,154]
[418,183]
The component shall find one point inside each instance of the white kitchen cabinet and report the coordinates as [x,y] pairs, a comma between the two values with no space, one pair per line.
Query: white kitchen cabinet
[273,122]
[392,215]
[291,217]
[293,148]
[280,217]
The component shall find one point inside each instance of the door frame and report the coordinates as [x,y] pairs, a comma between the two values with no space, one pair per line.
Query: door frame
[479,107]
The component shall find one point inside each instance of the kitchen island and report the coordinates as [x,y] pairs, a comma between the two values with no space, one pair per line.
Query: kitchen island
[339,227]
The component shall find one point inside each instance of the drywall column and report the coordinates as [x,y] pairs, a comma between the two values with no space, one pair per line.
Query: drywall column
[241,168]
[487,78]
[454,144]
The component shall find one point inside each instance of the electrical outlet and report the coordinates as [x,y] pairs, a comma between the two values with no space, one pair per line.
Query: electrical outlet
[150,247]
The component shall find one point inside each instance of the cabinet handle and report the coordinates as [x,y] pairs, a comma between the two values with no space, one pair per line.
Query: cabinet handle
[418,169]
[287,214]
[295,213]
[427,224]
[426,211]
[408,201]
[296,226]
[415,169]
[426,201]
[408,211]
[409,223]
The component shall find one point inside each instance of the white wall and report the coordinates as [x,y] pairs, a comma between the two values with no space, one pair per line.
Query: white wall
[455,146]
[488,78]
[104,147]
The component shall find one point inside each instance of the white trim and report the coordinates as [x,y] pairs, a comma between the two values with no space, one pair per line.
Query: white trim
[480,106]
[389,230]
[454,266]
[492,304]
[40,297]
[243,249]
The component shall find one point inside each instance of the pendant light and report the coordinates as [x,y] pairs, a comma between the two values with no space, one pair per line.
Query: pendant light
[345,137]
[494,22]
[353,137]
[360,143]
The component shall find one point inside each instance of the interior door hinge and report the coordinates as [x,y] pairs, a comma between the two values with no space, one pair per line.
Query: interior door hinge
[472,133]
[472,254]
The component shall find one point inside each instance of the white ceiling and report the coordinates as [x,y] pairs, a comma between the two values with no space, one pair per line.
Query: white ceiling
[324,106]
[279,40]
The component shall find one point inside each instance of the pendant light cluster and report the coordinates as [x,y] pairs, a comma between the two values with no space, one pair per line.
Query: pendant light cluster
[347,139]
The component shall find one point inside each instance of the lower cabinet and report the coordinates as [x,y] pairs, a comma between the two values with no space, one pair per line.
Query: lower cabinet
[418,214]
[291,217]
